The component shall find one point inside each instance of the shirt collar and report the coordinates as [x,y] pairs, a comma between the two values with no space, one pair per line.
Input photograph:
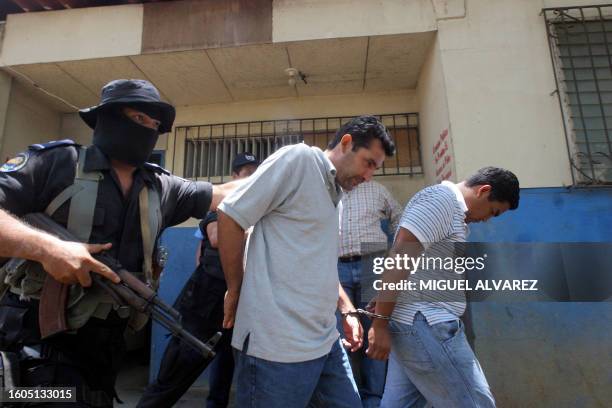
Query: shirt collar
[329,171]
[95,159]
[457,192]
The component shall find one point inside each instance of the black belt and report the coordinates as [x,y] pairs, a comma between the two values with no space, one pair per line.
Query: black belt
[346,259]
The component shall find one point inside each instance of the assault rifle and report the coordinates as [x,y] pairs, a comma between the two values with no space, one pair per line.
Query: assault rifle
[131,291]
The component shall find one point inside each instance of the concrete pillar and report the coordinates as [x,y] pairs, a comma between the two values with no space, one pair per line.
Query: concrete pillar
[6,83]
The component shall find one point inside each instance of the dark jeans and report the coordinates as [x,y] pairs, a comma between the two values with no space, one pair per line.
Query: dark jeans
[201,305]
[88,359]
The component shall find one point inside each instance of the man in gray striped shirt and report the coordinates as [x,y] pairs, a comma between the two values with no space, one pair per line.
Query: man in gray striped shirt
[429,356]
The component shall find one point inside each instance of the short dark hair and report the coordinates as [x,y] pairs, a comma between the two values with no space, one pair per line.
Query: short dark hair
[504,184]
[364,129]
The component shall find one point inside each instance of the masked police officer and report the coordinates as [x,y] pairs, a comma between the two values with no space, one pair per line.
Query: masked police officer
[108,196]
[201,306]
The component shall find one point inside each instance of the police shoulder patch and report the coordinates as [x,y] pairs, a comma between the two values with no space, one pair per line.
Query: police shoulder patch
[156,168]
[16,163]
[52,144]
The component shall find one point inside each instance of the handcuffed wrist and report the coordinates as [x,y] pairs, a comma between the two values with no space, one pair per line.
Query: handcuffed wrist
[380,322]
[352,312]
[371,315]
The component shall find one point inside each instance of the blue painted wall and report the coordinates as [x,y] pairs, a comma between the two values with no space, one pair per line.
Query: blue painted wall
[553,215]
[548,354]
[182,247]
[534,354]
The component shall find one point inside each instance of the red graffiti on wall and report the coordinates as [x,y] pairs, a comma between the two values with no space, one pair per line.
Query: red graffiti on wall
[442,157]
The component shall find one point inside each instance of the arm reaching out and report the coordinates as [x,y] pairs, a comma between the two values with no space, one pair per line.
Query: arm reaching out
[220,191]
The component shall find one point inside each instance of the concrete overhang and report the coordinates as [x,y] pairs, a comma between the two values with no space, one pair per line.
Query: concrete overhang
[199,77]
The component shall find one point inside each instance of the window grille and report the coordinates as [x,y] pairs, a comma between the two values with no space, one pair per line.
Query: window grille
[580,40]
[210,149]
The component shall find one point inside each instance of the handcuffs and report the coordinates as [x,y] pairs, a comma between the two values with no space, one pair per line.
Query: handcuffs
[367,314]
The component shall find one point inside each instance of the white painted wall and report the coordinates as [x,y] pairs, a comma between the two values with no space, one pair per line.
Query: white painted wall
[402,188]
[73,127]
[296,20]
[304,107]
[28,121]
[63,35]
[6,83]
[433,109]
[488,76]
[499,81]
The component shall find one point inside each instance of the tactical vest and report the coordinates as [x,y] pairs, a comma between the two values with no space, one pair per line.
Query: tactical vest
[26,278]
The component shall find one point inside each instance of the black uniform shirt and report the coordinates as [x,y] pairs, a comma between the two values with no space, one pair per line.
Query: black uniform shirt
[38,176]
[209,256]
[209,219]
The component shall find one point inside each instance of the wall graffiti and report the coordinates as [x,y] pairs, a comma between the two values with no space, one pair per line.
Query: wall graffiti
[443,158]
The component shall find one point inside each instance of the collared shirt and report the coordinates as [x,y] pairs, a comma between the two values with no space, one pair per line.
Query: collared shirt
[458,194]
[116,217]
[289,293]
[436,217]
[363,208]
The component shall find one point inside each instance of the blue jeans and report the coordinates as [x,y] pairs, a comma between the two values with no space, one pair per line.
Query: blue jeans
[323,382]
[371,372]
[433,364]
[221,372]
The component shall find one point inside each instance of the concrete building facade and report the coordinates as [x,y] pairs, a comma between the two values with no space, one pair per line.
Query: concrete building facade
[461,83]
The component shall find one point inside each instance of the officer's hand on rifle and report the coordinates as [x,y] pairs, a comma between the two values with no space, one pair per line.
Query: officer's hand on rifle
[71,262]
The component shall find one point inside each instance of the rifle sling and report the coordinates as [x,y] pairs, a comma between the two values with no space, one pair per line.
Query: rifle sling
[82,195]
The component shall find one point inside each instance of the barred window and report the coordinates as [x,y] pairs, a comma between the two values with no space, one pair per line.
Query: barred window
[580,40]
[210,149]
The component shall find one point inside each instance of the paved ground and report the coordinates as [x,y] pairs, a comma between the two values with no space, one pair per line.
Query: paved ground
[133,379]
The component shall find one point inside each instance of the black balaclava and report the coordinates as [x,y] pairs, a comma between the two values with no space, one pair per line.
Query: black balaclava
[120,138]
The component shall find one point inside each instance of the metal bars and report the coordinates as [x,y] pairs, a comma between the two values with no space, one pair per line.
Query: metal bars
[210,149]
[580,40]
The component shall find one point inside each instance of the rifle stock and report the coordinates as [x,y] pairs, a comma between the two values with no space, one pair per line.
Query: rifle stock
[130,291]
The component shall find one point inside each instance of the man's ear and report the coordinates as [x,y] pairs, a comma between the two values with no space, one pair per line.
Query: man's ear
[346,142]
[485,189]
